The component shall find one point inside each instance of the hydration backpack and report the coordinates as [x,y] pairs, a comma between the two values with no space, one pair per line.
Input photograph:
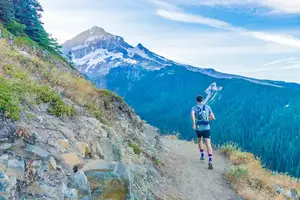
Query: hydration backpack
[201,115]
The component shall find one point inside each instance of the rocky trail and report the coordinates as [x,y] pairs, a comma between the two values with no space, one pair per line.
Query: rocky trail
[189,178]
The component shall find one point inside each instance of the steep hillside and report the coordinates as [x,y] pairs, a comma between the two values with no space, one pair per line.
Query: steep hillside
[246,108]
[262,119]
[61,138]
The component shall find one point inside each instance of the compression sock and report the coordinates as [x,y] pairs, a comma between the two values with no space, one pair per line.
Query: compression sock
[210,156]
[202,153]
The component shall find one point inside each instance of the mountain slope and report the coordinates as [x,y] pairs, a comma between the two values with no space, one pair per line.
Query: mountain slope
[256,114]
[96,51]
[61,138]
[260,118]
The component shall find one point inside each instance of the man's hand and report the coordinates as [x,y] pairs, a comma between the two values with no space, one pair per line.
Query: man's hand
[194,126]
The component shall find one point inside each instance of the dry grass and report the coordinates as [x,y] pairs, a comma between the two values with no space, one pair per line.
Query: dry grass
[63,79]
[251,180]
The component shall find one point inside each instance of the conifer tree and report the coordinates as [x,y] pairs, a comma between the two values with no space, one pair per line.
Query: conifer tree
[6,11]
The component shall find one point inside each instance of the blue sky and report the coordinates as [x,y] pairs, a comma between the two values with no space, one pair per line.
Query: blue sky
[255,38]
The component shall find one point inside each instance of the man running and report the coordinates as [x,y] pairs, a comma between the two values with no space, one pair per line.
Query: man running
[201,116]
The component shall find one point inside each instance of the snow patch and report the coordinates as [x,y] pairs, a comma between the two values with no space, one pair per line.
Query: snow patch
[128,60]
[91,39]
[79,47]
[99,56]
[137,51]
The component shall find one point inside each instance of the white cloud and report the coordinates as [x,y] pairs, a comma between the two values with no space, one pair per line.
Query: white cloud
[227,48]
[280,61]
[189,18]
[267,69]
[276,6]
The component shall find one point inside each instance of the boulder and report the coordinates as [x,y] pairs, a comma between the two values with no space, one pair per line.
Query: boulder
[7,186]
[114,189]
[83,148]
[64,144]
[38,151]
[97,149]
[16,167]
[71,159]
[3,162]
[5,146]
[99,166]
[69,193]
[52,164]
[81,183]
[106,185]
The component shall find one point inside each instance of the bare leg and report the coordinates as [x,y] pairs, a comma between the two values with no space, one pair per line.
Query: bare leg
[208,146]
[209,152]
[200,144]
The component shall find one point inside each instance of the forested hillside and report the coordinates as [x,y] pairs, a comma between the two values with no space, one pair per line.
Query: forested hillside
[262,119]
[23,18]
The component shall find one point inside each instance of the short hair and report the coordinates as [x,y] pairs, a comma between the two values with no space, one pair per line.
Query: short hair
[199,99]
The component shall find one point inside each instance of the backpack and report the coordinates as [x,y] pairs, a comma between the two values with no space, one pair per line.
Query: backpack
[201,115]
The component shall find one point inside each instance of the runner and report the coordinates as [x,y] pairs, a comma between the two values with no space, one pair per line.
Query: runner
[201,116]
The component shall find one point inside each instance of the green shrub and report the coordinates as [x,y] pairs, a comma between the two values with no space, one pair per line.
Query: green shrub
[156,161]
[14,72]
[237,172]
[136,149]
[95,110]
[16,28]
[109,95]
[229,148]
[26,42]
[5,32]
[60,109]
[9,102]
[46,94]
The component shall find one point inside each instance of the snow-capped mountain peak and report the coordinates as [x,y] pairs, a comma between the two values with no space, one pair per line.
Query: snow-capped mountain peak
[96,51]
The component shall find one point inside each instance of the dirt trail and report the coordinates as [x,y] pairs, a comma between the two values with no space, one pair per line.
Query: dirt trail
[190,179]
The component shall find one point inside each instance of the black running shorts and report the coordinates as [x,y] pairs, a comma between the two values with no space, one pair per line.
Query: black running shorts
[205,134]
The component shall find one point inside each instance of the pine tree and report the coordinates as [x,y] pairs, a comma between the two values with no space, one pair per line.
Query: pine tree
[6,11]
[29,13]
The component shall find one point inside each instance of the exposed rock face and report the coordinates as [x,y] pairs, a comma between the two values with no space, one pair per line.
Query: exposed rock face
[78,158]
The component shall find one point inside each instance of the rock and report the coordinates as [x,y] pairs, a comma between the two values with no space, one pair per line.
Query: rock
[106,185]
[5,146]
[114,189]
[71,159]
[81,183]
[69,194]
[111,151]
[39,151]
[97,149]
[83,148]
[287,193]
[7,128]
[64,143]
[3,162]
[42,189]
[293,193]
[24,53]
[7,186]
[16,168]
[52,163]
[99,166]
